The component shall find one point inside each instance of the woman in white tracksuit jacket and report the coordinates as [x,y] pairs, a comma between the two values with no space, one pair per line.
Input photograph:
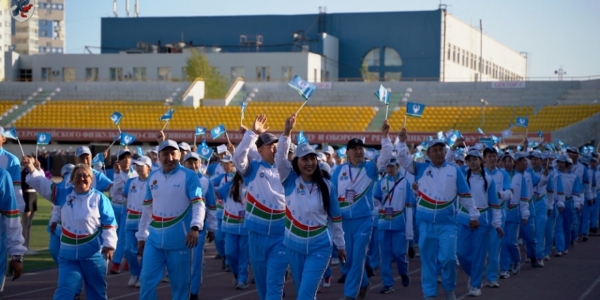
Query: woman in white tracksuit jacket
[311,211]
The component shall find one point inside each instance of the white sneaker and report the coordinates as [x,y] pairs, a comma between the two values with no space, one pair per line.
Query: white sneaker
[138,284]
[439,279]
[335,261]
[493,284]
[547,257]
[516,268]
[469,283]
[504,275]
[528,260]
[165,278]
[132,281]
[474,292]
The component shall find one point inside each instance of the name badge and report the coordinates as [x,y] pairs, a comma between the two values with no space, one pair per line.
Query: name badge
[241,213]
[350,194]
[389,213]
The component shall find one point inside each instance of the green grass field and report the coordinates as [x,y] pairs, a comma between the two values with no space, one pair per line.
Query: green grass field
[39,239]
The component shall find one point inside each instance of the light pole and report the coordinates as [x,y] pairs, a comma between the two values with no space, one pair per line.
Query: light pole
[484,103]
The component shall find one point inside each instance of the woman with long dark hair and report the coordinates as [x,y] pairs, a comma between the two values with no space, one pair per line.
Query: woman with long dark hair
[311,209]
[233,193]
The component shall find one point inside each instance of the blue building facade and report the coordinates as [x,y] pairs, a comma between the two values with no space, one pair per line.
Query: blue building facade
[391,45]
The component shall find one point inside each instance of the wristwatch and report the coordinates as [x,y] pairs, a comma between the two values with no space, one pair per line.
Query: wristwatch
[195,228]
[18,258]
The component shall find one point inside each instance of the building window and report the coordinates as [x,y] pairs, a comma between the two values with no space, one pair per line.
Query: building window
[381,64]
[43,33]
[449,51]
[139,74]
[287,73]
[116,74]
[91,74]
[68,74]
[453,53]
[46,74]
[372,58]
[164,73]
[391,58]
[263,74]
[25,75]
[237,72]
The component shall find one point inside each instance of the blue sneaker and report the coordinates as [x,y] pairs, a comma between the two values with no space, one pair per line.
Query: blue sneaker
[405,280]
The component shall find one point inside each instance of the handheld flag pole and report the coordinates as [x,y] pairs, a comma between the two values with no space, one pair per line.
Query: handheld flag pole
[20,146]
[227,136]
[194,139]
[387,106]
[301,107]
[36,151]
[166,123]
[404,124]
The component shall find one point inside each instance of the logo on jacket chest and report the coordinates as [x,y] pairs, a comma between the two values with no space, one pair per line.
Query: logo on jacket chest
[133,189]
[154,185]
[301,190]
[344,176]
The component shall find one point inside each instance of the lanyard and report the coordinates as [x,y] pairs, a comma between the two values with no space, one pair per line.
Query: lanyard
[350,173]
[390,194]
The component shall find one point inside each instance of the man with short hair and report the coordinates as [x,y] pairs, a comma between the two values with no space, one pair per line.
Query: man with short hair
[171,221]
[440,185]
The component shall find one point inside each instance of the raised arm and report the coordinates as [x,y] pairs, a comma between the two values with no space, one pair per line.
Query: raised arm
[405,160]
[386,147]
[38,181]
[284,167]
[240,156]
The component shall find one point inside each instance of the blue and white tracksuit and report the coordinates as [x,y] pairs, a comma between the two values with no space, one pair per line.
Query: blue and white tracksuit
[119,204]
[528,231]
[395,224]
[10,224]
[236,236]
[502,181]
[540,204]
[573,199]
[264,219]
[582,173]
[218,181]
[134,192]
[308,227]
[596,207]
[552,195]
[517,211]
[173,204]
[88,224]
[439,188]
[354,186]
[588,205]
[210,224]
[473,243]
[12,165]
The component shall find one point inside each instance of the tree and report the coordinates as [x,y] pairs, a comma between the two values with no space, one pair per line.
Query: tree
[197,66]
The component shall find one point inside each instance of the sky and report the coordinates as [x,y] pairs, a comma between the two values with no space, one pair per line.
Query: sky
[554,33]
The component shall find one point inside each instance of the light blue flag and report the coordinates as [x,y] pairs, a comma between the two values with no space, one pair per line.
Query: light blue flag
[440,135]
[341,152]
[414,109]
[200,130]
[205,152]
[560,143]
[383,95]
[540,134]
[506,133]
[98,159]
[167,116]
[418,155]
[304,88]
[458,135]
[519,148]
[430,139]
[522,122]
[116,117]
[424,145]
[452,139]
[301,138]
[244,105]
[43,138]
[139,150]
[480,131]
[217,131]
[126,139]
[495,139]
[10,133]
[487,141]
[449,133]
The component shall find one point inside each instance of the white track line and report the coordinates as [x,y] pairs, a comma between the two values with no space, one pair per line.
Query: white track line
[590,289]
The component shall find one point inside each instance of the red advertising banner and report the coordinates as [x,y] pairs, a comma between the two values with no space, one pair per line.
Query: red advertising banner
[81,136]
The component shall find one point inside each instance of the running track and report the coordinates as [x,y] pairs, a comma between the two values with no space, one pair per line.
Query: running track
[574,276]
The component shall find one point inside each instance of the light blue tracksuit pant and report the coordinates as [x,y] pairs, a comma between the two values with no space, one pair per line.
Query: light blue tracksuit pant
[437,245]
[510,254]
[308,270]
[595,212]
[527,232]
[131,252]
[178,263]
[220,239]
[394,246]
[236,250]
[72,271]
[494,251]
[472,249]
[374,252]
[121,217]
[54,248]
[197,264]
[268,257]
[586,218]
[564,226]
[550,229]
[541,218]
[357,235]
[3,260]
